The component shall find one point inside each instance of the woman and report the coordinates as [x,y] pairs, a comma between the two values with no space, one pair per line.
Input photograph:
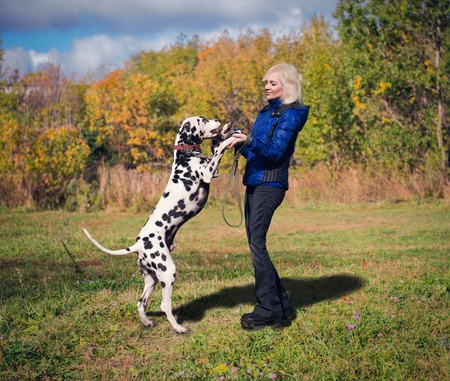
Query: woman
[268,150]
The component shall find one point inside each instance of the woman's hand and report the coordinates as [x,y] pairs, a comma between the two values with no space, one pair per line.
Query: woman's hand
[239,138]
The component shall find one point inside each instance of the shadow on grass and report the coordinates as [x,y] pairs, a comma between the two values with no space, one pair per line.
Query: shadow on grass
[303,292]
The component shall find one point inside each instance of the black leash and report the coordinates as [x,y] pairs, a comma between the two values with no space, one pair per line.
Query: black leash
[234,174]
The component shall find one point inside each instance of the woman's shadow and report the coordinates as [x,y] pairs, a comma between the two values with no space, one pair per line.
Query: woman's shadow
[303,292]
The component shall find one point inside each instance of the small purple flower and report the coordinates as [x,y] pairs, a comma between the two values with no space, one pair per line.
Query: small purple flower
[273,376]
[350,302]
[380,334]
[356,317]
[350,326]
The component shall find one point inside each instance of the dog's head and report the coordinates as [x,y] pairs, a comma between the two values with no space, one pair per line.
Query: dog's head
[197,128]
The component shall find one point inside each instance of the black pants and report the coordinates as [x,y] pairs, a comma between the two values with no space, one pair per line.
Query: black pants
[260,204]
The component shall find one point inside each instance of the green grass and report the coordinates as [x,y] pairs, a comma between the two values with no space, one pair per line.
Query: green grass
[369,283]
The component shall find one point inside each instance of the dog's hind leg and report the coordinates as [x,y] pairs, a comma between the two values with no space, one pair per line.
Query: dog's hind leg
[167,280]
[150,281]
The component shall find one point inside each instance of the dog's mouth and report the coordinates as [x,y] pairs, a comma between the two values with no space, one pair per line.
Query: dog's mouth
[214,132]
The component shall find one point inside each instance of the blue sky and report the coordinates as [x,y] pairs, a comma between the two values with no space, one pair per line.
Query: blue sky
[96,36]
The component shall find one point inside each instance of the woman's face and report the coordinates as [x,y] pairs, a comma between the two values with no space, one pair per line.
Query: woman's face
[274,88]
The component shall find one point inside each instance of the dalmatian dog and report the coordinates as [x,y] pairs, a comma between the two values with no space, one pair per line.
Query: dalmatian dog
[184,197]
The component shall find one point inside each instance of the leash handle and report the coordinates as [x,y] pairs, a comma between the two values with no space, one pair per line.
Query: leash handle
[234,174]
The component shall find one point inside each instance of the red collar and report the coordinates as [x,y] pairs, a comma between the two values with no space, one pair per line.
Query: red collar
[188,147]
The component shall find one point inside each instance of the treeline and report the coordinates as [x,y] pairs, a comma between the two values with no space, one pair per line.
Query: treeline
[378,86]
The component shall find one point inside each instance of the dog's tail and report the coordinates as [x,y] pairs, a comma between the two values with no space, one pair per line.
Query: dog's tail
[128,250]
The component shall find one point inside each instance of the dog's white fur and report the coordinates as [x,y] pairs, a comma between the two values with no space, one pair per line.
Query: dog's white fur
[184,196]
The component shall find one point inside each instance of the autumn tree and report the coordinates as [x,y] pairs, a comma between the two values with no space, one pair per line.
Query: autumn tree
[130,119]
[330,134]
[227,82]
[172,69]
[400,59]
[42,116]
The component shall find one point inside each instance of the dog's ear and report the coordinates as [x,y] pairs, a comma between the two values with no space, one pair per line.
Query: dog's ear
[185,133]
[186,127]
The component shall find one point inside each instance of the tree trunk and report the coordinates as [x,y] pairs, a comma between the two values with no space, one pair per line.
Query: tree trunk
[440,106]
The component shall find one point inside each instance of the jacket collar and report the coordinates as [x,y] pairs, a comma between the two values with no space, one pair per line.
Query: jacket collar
[273,104]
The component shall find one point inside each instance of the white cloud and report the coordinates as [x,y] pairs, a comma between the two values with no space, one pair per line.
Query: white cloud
[97,54]
[150,16]
[19,59]
[114,30]
[102,52]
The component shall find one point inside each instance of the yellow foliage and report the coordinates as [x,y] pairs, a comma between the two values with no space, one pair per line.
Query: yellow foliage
[382,87]
[358,104]
[358,82]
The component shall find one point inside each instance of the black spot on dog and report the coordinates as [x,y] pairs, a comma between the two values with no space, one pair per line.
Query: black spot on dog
[166,194]
[151,235]
[193,196]
[161,245]
[163,284]
[154,266]
[187,184]
[159,223]
[148,245]
[163,257]
[162,267]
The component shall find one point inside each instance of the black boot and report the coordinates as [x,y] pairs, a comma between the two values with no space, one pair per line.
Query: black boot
[254,321]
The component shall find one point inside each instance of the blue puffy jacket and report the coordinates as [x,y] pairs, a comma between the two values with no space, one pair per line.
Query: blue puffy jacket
[272,143]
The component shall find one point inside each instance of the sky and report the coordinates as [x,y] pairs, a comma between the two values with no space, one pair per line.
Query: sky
[97,36]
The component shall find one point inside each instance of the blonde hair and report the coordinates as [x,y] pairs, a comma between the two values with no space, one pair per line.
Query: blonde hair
[291,81]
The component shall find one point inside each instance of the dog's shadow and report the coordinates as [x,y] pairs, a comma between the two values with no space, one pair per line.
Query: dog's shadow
[303,292]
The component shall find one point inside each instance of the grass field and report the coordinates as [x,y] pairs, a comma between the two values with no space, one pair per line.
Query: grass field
[369,282]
